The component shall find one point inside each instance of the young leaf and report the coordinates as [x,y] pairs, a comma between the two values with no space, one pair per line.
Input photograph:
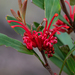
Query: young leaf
[9,42]
[72,2]
[51,7]
[39,3]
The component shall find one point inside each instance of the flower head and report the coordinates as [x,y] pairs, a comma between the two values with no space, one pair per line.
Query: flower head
[42,40]
[59,22]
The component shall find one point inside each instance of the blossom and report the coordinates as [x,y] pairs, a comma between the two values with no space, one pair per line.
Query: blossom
[42,40]
[59,22]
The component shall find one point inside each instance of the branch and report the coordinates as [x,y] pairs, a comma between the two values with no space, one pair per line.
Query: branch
[47,65]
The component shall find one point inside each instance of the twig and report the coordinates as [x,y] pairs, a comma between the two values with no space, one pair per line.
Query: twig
[47,65]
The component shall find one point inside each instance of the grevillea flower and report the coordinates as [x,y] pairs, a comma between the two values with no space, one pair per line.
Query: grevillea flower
[42,40]
[59,22]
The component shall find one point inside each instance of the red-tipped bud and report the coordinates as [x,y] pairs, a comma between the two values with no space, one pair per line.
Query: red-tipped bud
[12,27]
[58,33]
[50,52]
[45,52]
[67,27]
[55,74]
[49,55]
[9,21]
[56,15]
[45,19]
[53,52]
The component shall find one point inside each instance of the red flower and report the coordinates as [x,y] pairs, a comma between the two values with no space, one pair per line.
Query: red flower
[59,22]
[42,40]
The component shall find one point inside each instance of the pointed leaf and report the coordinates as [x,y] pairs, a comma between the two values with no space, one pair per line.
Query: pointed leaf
[9,42]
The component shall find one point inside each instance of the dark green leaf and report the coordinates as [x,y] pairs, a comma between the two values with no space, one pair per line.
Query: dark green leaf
[72,2]
[51,7]
[9,42]
[39,3]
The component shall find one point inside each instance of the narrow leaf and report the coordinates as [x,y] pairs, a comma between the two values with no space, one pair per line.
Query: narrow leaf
[9,42]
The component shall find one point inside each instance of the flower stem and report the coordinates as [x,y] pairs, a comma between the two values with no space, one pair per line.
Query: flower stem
[47,65]
[65,10]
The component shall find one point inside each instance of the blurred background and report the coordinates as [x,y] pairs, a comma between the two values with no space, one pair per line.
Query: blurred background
[11,61]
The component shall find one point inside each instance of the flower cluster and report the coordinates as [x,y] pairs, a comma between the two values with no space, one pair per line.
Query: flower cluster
[42,40]
[59,22]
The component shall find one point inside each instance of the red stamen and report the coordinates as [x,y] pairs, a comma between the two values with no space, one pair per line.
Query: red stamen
[69,6]
[9,21]
[52,20]
[57,30]
[17,26]
[23,26]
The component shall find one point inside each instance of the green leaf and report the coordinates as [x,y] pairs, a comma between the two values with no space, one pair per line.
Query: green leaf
[39,3]
[67,56]
[17,29]
[72,2]
[63,19]
[51,7]
[9,42]
[65,39]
